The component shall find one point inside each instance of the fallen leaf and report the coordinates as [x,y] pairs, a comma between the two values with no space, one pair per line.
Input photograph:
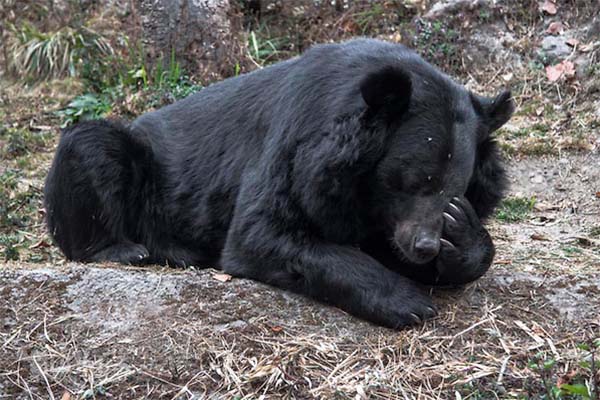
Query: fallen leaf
[549,6]
[566,378]
[555,28]
[564,69]
[222,277]
[507,77]
[572,42]
[349,26]
[569,68]
[598,195]
[540,237]
[40,244]
[539,111]
[66,395]
[503,262]
[535,328]
[586,48]
[277,328]
[553,72]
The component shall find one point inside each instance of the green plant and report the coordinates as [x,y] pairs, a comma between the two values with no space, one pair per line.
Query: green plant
[571,250]
[169,83]
[84,107]
[9,200]
[582,383]
[262,48]
[184,88]
[19,142]
[39,55]
[366,19]
[485,15]
[167,77]
[544,367]
[9,247]
[590,365]
[123,68]
[439,43]
[514,209]
[133,82]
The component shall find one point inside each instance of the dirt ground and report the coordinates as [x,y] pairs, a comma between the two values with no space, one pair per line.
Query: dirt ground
[111,331]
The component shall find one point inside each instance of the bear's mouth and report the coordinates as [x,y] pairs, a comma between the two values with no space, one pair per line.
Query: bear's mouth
[414,258]
[408,253]
[414,245]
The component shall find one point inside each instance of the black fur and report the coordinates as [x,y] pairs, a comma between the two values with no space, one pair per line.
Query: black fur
[345,174]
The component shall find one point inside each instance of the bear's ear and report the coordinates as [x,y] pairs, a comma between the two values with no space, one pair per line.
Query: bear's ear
[387,89]
[495,112]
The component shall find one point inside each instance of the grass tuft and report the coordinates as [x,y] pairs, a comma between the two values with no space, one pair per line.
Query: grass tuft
[515,209]
[41,55]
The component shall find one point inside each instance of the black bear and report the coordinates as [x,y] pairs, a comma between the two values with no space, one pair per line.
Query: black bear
[351,174]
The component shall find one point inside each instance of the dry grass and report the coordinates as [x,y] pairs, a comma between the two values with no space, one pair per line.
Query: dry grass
[479,347]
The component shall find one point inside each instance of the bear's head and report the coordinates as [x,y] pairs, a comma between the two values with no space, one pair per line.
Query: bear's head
[439,146]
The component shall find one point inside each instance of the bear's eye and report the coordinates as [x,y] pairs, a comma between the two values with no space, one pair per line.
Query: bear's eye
[421,183]
[394,181]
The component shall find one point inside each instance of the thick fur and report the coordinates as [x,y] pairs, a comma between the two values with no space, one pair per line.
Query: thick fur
[347,174]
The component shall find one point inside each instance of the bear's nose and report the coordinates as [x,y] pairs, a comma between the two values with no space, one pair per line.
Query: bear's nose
[426,247]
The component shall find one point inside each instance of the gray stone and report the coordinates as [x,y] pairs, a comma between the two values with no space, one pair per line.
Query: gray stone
[554,48]
[492,43]
[447,7]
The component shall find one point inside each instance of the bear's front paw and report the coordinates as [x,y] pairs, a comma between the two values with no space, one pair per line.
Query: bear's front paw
[466,247]
[402,306]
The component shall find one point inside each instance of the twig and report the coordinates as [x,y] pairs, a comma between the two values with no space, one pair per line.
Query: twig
[45,379]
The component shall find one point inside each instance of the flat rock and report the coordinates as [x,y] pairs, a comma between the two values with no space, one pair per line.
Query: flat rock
[554,48]
[443,8]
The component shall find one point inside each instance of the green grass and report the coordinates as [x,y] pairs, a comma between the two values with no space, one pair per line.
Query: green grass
[537,131]
[19,142]
[538,148]
[527,141]
[9,247]
[20,205]
[367,19]
[18,201]
[571,250]
[264,49]
[151,87]
[438,42]
[515,209]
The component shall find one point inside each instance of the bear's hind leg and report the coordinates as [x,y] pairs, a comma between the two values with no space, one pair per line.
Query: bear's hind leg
[124,253]
[92,194]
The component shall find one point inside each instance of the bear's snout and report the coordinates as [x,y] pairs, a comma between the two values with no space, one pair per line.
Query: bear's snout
[419,242]
[426,246]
